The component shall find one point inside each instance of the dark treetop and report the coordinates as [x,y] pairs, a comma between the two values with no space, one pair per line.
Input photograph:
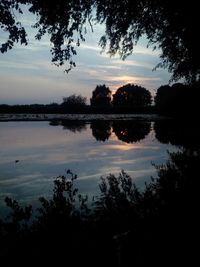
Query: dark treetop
[171,27]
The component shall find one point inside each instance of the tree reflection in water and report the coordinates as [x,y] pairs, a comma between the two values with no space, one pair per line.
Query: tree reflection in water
[101,130]
[131,131]
[128,131]
[178,132]
[71,125]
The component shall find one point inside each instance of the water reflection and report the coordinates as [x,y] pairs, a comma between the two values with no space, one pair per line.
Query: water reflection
[71,125]
[101,130]
[45,152]
[131,131]
[178,133]
[126,131]
[171,131]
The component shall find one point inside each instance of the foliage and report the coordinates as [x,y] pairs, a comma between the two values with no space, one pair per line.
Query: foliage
[62,202]
[8,23]
[159,222]
[131,95]
[126,222]
[178,99]
[64,21]
[117,201]
[169,27]
[171,96]
[74,103]
[101,96]
[74,100]
[19,216]
[162,98]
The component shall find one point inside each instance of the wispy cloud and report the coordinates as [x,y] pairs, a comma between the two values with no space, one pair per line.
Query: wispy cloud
[27,74]
[90,47]
[133,63]
[132,79]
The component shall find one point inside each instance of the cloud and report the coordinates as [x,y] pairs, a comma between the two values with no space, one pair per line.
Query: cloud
[27,74]
[132,79]
[90,47]
[133,63]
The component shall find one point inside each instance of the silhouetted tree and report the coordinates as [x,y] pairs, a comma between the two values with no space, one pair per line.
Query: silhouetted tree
[172,98]
[131,131]
[101,96]
[131,95]
[101,130]
[162,218]
[74,103]
[162,98]
[8,23]
[178,99]
[172,28]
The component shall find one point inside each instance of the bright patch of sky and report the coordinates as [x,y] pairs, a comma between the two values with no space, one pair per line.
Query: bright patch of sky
[27,75]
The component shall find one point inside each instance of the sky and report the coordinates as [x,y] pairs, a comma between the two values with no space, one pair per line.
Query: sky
[27,75]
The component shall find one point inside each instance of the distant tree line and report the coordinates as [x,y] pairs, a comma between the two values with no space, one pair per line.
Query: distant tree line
[32,108]
[177,99]
[127,99]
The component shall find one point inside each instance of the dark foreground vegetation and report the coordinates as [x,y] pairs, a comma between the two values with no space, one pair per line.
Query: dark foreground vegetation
[122,226]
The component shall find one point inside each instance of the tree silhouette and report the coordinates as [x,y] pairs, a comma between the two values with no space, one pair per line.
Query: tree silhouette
[172,28]
[178,99]
[101,96]
[172,98]
[8,23]
[74,103]
[162,98]
[131,95]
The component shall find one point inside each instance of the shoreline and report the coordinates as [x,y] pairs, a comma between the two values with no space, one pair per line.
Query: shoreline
[81,117]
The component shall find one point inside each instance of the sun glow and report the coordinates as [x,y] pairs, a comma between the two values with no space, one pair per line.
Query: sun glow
[123,146]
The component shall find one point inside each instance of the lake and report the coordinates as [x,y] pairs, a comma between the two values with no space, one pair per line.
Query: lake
[33,153]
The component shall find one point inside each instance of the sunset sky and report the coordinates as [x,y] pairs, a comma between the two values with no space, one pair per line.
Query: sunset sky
[28,76]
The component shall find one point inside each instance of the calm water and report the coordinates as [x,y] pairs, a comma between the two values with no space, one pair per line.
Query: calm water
[45,150]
